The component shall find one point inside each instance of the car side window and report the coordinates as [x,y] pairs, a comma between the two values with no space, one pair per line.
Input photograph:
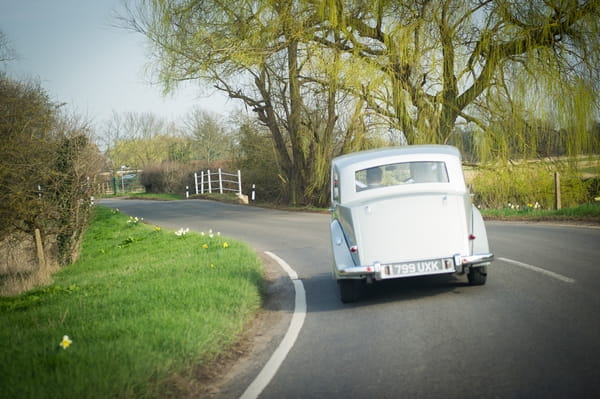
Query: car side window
[369,178]
[335,187]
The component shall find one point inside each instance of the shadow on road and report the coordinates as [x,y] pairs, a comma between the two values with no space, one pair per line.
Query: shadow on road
[323,294]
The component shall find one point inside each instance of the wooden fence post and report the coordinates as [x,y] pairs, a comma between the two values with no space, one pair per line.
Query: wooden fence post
[40,249]
[557,190]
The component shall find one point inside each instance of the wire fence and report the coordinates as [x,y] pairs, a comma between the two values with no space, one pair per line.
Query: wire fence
[126,182]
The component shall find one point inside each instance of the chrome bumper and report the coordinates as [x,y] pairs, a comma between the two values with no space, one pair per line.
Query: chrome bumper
[474,260]
[374,271]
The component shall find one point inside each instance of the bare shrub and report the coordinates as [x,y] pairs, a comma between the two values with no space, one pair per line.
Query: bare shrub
[166,177]
[45,160]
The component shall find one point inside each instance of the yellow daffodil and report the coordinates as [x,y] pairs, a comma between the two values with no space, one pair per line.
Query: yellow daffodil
[225,245]
[205,246]
[65,342]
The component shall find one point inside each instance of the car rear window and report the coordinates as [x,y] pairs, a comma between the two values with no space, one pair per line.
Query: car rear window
[401,173]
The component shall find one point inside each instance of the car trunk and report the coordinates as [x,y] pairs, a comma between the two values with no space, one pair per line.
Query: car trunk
[407,228]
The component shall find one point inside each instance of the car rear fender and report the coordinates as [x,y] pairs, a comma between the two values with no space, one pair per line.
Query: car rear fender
[341,252]
[480,244]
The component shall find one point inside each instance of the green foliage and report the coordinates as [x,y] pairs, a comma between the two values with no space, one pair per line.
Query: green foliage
[588,211]
[157,196]
[314,73]
[137,139]
[257,159]
[136,314]
[140,152]
[582,213]
[527,185]
[180,150]
[143,141]
[68,193]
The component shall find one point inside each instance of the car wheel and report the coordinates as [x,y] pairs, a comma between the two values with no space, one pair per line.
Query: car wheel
[477,275]
[349,290]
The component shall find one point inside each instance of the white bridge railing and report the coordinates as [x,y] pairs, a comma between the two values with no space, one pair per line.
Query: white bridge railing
[218,182]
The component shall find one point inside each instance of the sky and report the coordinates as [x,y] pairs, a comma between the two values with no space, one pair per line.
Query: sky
[79,58]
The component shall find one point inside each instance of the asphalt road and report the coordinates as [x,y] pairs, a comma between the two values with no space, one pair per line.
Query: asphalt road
[533,331]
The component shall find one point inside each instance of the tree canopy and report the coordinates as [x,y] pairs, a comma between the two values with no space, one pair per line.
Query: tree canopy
[322,74]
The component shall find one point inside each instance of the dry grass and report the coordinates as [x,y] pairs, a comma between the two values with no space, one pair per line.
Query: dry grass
[20,268]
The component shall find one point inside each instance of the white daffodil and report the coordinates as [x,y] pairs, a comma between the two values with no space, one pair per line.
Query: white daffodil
[66,342]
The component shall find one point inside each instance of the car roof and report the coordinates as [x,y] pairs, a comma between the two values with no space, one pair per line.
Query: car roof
[344,168]
[378,153]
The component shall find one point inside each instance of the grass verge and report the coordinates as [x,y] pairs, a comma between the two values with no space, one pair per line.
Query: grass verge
[140,305]
[583,213]
[156,196]
[148,196]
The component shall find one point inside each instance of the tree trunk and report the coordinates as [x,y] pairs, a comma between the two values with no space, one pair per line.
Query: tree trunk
[297,138]
[450,87]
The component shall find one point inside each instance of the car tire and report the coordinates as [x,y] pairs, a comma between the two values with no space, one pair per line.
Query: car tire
[477,275]
[349,290]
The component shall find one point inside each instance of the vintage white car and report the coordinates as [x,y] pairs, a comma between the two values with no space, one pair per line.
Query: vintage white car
[404,212]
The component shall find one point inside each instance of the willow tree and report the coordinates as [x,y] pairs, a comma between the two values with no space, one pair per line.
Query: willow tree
[423,65]
[438,62]
[262,53]
[479,61]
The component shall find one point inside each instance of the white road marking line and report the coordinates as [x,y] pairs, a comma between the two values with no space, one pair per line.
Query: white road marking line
[539,270]
[268,372]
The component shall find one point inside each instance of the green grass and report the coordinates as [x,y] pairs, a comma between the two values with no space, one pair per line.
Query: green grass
[141,304]
[149,196]
[154,196]
[587,212]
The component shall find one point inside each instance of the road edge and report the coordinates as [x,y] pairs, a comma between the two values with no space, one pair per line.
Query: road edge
[277,358]
[233,372]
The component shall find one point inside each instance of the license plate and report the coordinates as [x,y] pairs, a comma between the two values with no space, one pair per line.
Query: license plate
[418,268]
